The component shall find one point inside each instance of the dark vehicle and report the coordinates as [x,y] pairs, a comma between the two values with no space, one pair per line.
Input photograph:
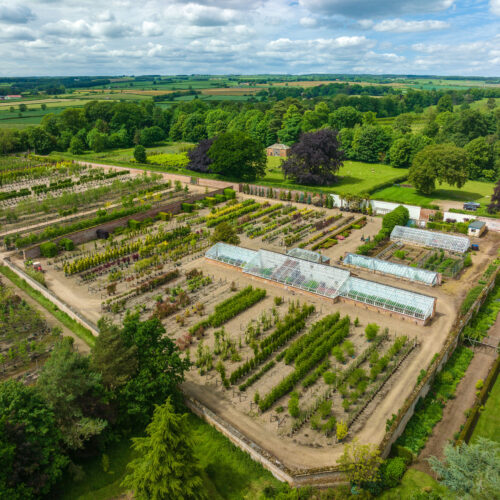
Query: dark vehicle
[474,247]
[471,205]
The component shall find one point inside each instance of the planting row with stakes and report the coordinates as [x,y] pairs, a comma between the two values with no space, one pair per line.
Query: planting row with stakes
[145,246]
[230,308]
[245,208]
[310,357]
[285,329]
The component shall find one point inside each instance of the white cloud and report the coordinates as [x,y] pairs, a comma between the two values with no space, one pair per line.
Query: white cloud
[17,14]
[495,7]
[401,26]
[16,33]
[308,22]
[371,8]
[150,28]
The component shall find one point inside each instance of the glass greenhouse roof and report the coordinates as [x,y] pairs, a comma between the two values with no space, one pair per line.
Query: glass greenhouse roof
[230,254]
[430,239]
[309,276]
[309,255]
[321,279]
[389,298]
[400,270]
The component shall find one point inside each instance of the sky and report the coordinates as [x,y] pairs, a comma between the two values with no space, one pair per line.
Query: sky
[130,37]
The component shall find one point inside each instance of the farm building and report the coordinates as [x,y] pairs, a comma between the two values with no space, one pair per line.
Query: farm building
[327,281]
[422,237]
[476,228]
[278,150]
[393,268]
[309,255]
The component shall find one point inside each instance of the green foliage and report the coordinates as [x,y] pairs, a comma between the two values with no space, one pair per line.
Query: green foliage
[66,244]
[470,470]
[429,410]
[360,462]
[371,330]
[31,458]
[140,154]
[49,249]
[225,232]
[166,466]
[470,298]
[293,405]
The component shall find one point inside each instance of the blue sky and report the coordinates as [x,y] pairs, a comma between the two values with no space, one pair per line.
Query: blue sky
[90,37]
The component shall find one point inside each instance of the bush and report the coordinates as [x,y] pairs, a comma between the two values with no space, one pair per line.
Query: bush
[371,330]
[164,216]
[140,154]
[278,301]
[48,249]
[293,405]
[392,471]
[229,193]
[133,224]
[470,299]
[188,207]
[66,244]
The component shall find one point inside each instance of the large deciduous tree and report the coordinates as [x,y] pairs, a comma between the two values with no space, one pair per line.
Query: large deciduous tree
[470,471]
[494,206]
[235,154]
[481,158]
[166,467]
[31,459]
[360,462]
[199,161]
[315,159]
[440,162]
[370,143]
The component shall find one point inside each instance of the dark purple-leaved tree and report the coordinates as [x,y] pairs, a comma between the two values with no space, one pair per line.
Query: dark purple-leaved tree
[315,159]
[199,161]
[494,206]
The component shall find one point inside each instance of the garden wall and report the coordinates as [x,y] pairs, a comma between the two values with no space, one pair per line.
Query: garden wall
[421,390]
[53,298]
[89,234]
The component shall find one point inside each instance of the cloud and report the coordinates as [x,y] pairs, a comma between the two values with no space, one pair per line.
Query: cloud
[16,15]
[374,8]
[151,29]
[401,26]
[308,22]
[495,7]
[203,15]
[16,33]
[82,29]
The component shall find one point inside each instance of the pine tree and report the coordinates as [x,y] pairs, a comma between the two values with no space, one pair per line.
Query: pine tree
[166,467]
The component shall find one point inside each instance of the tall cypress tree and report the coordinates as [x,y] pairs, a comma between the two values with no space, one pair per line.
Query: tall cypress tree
[166,467]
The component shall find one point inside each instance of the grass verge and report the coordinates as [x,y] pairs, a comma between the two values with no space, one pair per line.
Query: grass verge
[74,326]
[488,425]
[228,472]
[415,483]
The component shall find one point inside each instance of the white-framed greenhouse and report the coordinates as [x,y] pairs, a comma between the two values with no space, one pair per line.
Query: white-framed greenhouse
[230,254]
[400,270]
[324,280]
[389,298]
[310,255]
[423,237]
[298,273]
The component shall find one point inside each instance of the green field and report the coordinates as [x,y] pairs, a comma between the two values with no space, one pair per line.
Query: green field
[471,191]
[488,425]
[415,482]
[229,473]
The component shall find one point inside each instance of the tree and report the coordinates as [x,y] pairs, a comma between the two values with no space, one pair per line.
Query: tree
[140,154]
[166,467]
[344,117]
[481,157]
[237,155]
[23,108]
[402,123]
[75,394]
[494,206]
[400,153]
[491,104]
[315,158]
[360,462]
[470,470]
[445,104]
[31,459]
[290,129]
[199,161]
[440,162]
[41,141]
[160,370]
[370,143]
[97,141]
[226,233]
[111,357]
[76,145]
[151,135]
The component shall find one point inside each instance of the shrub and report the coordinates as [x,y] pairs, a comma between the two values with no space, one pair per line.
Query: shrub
[468,261]
[341,430]
[165,216]
[229,193]
[479,384]
[404,453]
[371,330]
[48,249]
[278,301]
[470,298]
[66,244]
[188,207]
[293,405]
[140,154]
[133,224]
[392,471]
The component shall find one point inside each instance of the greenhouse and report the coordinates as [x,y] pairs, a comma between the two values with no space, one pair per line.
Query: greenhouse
[431,239]
[230,254]
[389,298]
[309,276]
[400,270]
[309,255]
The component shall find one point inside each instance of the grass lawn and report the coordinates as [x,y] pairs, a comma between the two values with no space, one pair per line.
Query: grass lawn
[355,177]
[488,425]
[229,473]
[471,191]
[415,482]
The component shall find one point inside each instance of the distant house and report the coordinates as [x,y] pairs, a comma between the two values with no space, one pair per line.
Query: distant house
[476,228]
[278,150]
[13,96]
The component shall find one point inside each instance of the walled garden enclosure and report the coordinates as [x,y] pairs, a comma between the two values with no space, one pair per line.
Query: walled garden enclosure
[297,355]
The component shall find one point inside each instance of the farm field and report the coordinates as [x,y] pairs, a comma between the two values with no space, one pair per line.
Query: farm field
[245,334]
